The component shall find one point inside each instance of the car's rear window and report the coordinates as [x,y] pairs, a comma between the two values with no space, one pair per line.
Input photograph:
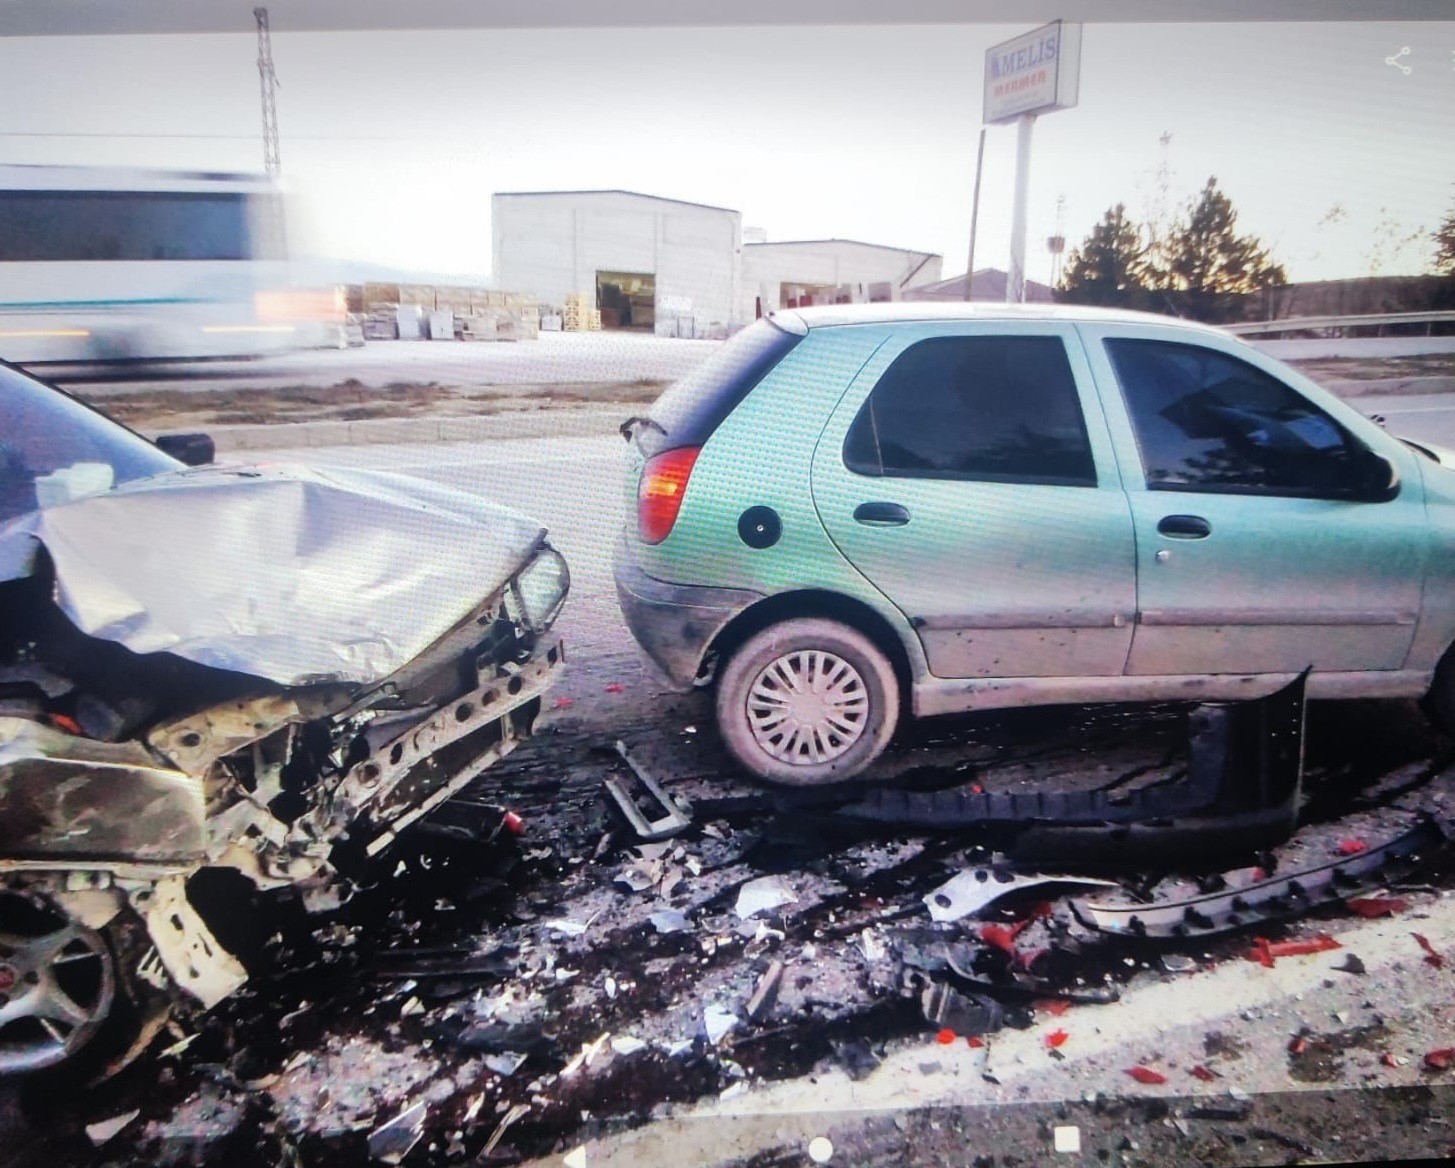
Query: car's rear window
[691,408]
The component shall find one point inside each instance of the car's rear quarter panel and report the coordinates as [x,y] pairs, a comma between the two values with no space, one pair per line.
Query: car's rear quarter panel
[762,454]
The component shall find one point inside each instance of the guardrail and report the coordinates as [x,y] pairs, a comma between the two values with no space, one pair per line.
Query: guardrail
[1325,324]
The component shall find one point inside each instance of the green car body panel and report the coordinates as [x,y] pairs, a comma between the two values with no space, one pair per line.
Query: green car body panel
[1004,594]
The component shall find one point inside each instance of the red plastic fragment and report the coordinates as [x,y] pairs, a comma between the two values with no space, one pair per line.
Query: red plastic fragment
[977,789]
[1026,960]
[563,703]
[1206,1074]
[1147,1075]
[1057,1038]
[1388,1060]
[975,1042]
[1265,951]
[1371,907]
[999,937]
[945,1037]
[1432,955]
[1438,1060]
[67,723]
[1298,1045]
[513,823]
[1054,1006]
[614,687]
[1352,847]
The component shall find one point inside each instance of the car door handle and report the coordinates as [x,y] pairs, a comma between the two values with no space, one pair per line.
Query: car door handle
[881,514]
[1184,527]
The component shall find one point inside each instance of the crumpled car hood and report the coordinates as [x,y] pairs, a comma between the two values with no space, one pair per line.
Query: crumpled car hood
[290,574]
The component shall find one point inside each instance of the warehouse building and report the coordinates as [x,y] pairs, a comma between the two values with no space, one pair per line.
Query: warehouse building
[647,263]
[831,271]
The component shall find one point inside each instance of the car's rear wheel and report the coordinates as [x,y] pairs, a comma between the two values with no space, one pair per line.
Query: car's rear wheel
[1439,701]
[58,984]
[807,701]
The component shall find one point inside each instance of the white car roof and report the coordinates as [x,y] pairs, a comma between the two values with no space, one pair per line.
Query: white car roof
[833,315]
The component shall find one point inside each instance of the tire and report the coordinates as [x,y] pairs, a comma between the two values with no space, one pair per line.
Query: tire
[1439,701]
[66,1002]
[769,679]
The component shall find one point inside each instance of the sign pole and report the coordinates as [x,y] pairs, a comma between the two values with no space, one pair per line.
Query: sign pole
[1015,283]
[974,215]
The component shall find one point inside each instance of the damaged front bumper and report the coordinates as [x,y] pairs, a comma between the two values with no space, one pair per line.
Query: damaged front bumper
[94,828]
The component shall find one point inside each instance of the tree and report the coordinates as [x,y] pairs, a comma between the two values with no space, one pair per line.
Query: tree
[1210,263]
[1110,266]
[1445,245]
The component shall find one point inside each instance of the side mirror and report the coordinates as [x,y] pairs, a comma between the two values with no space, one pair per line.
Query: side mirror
[191,449]
[1376,479]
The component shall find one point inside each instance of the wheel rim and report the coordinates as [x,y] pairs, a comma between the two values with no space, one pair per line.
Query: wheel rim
[808,707]
[57,984]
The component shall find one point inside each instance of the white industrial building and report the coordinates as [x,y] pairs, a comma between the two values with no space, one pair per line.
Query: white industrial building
[677,268]
[831,271]
[648,263]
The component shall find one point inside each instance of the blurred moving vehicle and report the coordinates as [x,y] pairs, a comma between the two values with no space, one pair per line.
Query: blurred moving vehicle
[271,671]
[102,264]
[945,507]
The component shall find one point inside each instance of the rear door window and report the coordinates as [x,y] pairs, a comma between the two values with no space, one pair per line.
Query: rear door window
[693,407]
[1207,421]
[988,408]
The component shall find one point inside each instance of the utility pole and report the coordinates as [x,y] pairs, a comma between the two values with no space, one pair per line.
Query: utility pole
[269,79]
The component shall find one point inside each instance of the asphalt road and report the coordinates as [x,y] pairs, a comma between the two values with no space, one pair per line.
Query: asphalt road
[554,358]
[1428,416]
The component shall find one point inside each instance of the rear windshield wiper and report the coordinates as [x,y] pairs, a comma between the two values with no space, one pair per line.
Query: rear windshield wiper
[629,427]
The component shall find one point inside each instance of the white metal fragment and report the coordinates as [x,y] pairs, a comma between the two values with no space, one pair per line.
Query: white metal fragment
[102,1131]
[569,928]
[718,1021]
[393,1141]
[575,1158]
[625,1044]
[763,895]
[972,891]
[506,1063]
[670,920]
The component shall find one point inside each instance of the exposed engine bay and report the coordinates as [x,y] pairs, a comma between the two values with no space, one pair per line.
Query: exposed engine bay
[126,769]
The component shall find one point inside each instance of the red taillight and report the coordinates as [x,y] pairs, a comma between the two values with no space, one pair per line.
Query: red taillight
[659,496]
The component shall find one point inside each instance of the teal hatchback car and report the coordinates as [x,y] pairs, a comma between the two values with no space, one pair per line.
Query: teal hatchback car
[855,512]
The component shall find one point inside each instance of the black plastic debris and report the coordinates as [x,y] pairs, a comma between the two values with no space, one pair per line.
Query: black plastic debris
[959,963]
[947,1009]
[1288,895]
[857,1057]
[1350,964]
[1241,792]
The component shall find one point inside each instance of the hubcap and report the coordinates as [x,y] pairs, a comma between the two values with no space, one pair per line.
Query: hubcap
[807,707]
[56,984]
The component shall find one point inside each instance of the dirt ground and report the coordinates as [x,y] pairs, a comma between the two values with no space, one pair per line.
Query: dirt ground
[352,401]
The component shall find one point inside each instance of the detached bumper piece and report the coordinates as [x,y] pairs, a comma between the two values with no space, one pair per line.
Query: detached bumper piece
[676,814]
[1242,789]
[1275,899]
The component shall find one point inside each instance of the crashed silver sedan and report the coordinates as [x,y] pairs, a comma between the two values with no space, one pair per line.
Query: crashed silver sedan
[267,669]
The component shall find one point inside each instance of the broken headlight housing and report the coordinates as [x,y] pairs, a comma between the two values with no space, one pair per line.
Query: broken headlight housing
[540,588]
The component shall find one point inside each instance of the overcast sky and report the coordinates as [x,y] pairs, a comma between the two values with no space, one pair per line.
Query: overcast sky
[394,141]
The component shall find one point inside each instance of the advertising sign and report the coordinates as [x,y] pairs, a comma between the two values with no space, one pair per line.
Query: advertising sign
[1033,73]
